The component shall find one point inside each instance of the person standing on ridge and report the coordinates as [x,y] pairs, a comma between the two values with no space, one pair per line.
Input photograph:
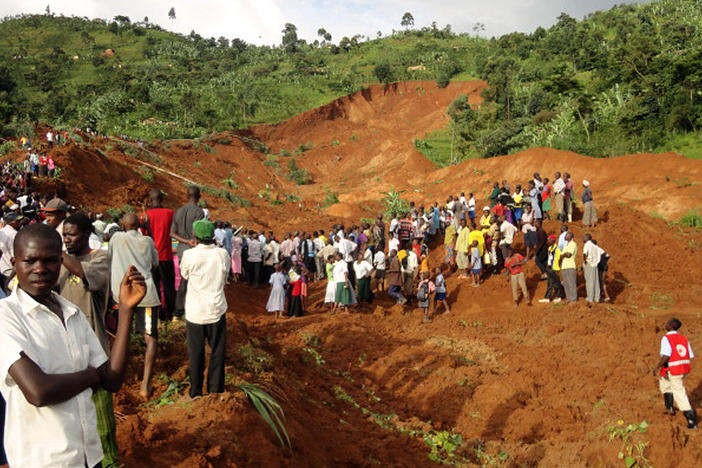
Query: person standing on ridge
[158,225]
[182,231]
[672,367]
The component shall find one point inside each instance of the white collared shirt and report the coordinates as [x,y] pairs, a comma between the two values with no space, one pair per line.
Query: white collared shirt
[206,268]
[60,435]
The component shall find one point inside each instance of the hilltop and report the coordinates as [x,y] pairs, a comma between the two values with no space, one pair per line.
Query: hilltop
[619,81]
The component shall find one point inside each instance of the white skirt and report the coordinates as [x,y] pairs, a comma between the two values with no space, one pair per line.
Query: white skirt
[330,295]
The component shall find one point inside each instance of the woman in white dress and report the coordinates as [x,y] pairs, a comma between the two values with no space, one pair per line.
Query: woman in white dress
[276,299]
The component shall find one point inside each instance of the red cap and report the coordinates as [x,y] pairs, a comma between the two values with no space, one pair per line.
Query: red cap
[552,237]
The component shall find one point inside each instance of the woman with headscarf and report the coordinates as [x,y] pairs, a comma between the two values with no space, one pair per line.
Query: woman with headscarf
[589,211]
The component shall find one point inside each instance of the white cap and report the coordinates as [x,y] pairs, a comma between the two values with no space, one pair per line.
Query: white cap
[486,208]
[586,183]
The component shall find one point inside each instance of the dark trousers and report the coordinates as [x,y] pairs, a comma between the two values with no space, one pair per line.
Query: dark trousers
[352,274]
[541,259]
[164,276]
[255,269]
[180,297]
[554,286]
[216,336]
[295,307]
[3,458]
[266,273]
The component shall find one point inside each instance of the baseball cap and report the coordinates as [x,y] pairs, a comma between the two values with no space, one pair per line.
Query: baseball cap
[56,204]
[486,208]
[203,229]
[10,217]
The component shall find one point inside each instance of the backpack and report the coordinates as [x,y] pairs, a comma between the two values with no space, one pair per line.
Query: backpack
[423,293]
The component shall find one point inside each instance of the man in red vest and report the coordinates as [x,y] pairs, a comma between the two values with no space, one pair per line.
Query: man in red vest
[672,368]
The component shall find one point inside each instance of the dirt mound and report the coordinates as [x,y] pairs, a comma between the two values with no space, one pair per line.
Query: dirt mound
[546,385]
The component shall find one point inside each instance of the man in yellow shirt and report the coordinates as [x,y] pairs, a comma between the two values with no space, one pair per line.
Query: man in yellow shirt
[554,286]
[485,219]
[450,246]
[477,236]
[568,276]
[462,250]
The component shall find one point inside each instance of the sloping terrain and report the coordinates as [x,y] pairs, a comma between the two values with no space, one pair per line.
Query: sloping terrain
[535,386]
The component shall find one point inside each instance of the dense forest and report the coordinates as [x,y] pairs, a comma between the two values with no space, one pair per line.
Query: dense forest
[618,81]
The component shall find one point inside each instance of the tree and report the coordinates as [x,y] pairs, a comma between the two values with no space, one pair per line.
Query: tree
[384,73]
[48,10]
[478,28]
[146,20]
[290,40]
[171,14]
[407,20]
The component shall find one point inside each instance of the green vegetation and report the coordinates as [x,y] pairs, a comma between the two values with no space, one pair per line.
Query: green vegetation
[330,198]
[394,204]
[315,355]
[147,174]
[619,81]
[297,175]
[169,396]
[7,147]
[691,219]
[269,409]
[632,453]
[255,360]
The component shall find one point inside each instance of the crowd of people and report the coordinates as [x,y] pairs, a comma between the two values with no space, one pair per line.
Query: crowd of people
[367,259]
[74,283]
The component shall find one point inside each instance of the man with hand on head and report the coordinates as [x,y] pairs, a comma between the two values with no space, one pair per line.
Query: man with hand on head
[51,360]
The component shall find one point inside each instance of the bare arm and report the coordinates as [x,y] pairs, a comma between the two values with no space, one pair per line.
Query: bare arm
[662,362]
[73,265]
[131,292]
[41,389]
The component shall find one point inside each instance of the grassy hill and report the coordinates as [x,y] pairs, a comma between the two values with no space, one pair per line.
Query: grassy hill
[619,81]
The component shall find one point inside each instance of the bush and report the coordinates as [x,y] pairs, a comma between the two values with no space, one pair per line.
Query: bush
[7,147]
[384,73]
[330,198]
[147,174]
[691,219]
[394,204]
[297,175]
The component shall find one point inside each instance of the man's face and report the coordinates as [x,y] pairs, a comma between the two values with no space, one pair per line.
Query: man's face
[54,218]
[75,241]
[37,262]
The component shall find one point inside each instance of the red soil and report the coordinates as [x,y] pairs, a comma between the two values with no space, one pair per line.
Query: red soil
[540,384]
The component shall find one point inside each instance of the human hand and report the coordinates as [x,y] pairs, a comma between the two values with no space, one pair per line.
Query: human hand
[132,289]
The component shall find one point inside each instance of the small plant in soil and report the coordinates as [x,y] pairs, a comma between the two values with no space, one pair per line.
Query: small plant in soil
[269,409]
[315,355]
[632,453]
[335,143]
[394,204]
[168,397]
[255,360]
[330,198]
[147,174]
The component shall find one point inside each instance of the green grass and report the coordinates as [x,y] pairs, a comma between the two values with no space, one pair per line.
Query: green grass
[436,147]
[687,144]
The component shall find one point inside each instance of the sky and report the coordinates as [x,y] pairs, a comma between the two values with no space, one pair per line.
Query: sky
[261,21]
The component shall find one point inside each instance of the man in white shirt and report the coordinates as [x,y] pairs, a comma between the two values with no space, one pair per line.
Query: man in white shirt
[255,258]
[206,268]
[393,242]
[379,265]
[408,272]
[592,254]
[133,248]
[346,248]
[13,221]
[50,359]
[558,195]
[507,232]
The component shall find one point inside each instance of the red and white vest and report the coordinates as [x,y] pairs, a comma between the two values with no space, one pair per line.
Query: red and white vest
[679,362]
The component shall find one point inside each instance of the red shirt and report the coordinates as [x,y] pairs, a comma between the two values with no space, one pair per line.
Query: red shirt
[512,264]
[160,220]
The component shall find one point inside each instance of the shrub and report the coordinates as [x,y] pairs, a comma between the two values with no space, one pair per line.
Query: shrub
[7,147]
[255,360]
[330,198]
[297,175]
[384,73]
[394,204]
[691,219]
[147,174]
